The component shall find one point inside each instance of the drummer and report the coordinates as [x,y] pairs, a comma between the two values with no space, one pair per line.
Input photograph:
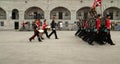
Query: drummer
[39,28]
[36,27]
[45,27]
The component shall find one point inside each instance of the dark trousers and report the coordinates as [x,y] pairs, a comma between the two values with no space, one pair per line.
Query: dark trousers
[100,37]
[82,33]
[108,38]
[45,31]
[53,31]
[78,31]
[93,37]
[36,33]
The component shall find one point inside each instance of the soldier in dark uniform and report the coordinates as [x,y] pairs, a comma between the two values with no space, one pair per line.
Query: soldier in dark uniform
[53,26]
[83,30]
[79,27]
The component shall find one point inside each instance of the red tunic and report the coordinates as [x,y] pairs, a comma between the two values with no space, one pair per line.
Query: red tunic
[108,24]
[85,24]
[98,22]
[38,24]
[44,26]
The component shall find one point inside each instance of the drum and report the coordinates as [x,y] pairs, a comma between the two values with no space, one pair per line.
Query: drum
[41,31]
[48,27]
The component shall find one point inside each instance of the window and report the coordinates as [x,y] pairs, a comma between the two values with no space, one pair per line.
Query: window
[35,15]
[117,13]
[66,14]
[79,14]
[15,14]
[66,23]
[1,23]
[85,15]
[60,15]
[54,13]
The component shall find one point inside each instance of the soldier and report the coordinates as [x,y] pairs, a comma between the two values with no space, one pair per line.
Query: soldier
[95,36]
[45,28]
[79,27]
[53,26]
[23,26]
[36,32]
[83,30]
[108,35]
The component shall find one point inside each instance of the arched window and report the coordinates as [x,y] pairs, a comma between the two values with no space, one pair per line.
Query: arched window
[34,13]
[82,13]
[61,13]
[15,14]
[2,14]
[114,12]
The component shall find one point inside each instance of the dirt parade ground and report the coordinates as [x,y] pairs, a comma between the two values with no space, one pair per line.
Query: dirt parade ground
[15,48]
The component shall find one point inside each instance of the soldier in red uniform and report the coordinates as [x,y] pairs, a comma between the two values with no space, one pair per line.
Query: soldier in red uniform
[108,26]
[99,40]
[23,25]
[96,35]
[36,32]
[39,28]
[38,23]
[45,28]
[98,23]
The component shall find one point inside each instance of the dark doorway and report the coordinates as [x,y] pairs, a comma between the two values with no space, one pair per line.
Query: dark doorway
[16,25]
[60,15]
[2,23]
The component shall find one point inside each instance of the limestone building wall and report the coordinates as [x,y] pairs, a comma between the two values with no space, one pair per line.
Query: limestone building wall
[71,10]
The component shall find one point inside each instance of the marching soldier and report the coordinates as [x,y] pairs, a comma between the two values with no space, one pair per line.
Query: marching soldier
[108,35]
[36,32]
[53,26]
[79,27]
[45,28]
[96,35]
[83,30]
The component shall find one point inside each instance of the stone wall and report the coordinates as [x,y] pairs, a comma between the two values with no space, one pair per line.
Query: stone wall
[47,6]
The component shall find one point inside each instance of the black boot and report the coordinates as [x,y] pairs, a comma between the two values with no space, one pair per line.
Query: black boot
[30,39]
[39,40]
[90,43]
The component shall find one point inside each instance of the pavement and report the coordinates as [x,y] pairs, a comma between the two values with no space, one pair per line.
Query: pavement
[15,48]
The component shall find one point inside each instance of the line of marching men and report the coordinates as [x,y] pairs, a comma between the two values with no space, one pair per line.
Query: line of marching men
[39,31]
[93,30]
